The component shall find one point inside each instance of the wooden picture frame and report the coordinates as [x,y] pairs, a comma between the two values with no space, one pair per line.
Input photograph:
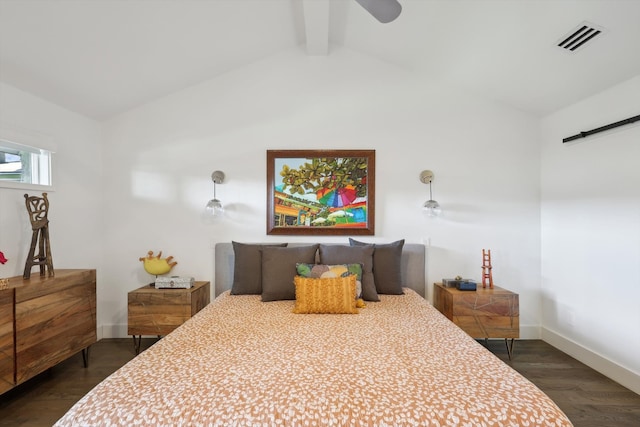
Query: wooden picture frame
[321,192]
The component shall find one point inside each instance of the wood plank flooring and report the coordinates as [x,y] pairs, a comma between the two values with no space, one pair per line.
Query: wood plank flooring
[588,398]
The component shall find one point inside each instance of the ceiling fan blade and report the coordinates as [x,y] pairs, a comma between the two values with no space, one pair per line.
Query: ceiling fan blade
[383,10]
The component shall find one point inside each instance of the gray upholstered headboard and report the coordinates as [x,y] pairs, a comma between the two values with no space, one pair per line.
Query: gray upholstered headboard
[413,266]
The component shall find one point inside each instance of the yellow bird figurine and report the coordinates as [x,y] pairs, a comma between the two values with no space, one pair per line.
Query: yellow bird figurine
[156,265]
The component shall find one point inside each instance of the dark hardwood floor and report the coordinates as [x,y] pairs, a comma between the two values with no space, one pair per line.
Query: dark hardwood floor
[588,398]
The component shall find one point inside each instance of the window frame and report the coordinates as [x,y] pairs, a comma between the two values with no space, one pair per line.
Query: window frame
[38,146]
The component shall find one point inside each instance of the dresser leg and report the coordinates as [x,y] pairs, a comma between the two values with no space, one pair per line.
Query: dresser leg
[509,346]
[85,357]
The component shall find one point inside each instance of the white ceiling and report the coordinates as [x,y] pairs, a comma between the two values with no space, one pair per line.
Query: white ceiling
[102,57]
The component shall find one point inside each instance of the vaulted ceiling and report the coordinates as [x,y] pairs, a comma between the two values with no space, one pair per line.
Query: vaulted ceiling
[103,57]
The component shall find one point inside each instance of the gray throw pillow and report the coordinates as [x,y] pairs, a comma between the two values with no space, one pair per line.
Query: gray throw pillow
[279,270]
[387,266]
[338,254]
[247,268]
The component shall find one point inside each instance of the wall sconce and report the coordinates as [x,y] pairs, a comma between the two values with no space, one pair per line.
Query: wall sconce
[431,208]
[214,208]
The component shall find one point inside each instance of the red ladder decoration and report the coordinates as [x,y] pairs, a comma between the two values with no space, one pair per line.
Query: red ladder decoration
[487,276]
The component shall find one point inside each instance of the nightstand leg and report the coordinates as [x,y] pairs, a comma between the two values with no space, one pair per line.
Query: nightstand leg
[509,346]
[137,340]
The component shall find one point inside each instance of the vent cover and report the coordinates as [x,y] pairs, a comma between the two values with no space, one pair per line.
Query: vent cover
[580,37]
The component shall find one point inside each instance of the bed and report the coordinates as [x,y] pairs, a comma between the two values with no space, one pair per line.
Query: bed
[245,362]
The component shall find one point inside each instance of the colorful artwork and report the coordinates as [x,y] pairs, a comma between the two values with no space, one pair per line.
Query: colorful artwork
[320,192]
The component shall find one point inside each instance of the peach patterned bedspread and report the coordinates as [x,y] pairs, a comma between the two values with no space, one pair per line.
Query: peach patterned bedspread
[242,362]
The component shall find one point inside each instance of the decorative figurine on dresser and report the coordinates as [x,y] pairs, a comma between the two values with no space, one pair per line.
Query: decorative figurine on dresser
[38,209]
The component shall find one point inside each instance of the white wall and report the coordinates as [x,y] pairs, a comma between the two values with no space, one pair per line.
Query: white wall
[159,158]
[486,158]
[591,234]
[75,211]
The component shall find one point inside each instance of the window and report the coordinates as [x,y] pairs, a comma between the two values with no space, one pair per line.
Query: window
[22,164]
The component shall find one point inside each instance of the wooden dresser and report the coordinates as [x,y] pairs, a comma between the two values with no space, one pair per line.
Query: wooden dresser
[43,321]
[154,311]
[7,347]
[483,313]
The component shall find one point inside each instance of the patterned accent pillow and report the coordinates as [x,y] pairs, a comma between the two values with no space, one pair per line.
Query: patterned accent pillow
[319,271]
[335,295]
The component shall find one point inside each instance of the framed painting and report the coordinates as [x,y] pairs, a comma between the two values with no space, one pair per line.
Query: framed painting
[321,192]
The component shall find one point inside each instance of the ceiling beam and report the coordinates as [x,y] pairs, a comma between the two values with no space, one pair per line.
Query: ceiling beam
[316,25]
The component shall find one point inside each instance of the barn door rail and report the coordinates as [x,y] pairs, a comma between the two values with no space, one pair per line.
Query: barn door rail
[602,129]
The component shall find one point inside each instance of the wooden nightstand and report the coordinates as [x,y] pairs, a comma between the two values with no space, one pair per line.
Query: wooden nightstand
[483,313]
[154,311]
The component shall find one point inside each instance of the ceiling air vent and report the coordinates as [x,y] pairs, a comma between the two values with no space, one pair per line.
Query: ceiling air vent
[580,36]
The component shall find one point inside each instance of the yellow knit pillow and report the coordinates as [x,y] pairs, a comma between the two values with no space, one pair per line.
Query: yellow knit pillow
[327,295]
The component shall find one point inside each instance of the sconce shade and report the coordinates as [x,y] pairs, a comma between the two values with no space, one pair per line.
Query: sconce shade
[431,208]
[214,208]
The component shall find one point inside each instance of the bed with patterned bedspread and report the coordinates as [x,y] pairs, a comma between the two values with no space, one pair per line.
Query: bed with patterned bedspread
[245,362]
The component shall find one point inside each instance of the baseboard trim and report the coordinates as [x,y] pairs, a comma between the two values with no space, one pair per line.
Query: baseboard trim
[113,331]
[529,332]
[620,374]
